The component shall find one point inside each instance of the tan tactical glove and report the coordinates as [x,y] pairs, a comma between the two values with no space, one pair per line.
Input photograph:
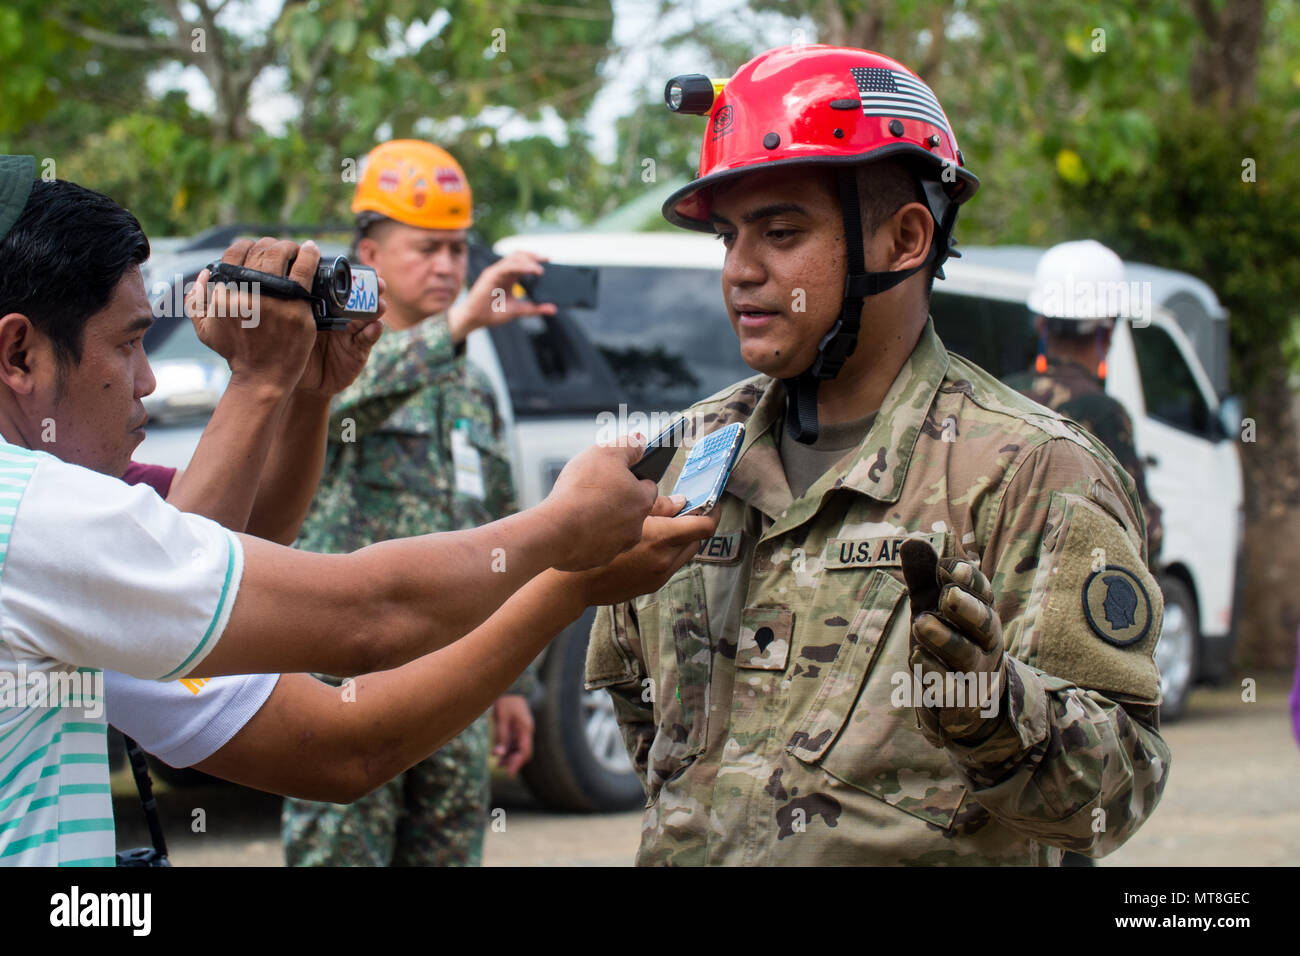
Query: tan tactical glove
[957,635]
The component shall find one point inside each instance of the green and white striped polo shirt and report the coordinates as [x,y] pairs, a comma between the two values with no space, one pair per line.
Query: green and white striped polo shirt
[93,574]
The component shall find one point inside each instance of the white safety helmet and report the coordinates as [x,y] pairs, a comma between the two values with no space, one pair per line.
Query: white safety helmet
[1080,282]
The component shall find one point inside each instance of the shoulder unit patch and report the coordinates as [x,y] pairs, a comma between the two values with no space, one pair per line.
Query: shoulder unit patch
[1117,605]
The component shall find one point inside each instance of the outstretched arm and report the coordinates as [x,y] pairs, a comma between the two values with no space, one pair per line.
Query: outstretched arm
[320,742]
[391,602]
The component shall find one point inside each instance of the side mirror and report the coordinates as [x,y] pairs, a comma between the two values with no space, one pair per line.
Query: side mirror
[1230,409]
[187,388]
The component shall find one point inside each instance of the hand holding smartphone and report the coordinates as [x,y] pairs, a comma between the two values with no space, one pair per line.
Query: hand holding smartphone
[707,468]
[659,451]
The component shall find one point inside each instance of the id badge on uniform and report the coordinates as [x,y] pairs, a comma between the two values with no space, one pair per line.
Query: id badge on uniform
[467,462]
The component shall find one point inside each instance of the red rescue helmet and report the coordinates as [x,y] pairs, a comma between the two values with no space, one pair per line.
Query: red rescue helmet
[817,104]
[824,105]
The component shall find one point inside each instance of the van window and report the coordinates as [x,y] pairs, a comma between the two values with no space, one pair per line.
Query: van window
[997,336]
[1172,395]
[660,339]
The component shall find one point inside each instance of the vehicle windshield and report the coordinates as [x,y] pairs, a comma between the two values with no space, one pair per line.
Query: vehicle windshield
[659,339]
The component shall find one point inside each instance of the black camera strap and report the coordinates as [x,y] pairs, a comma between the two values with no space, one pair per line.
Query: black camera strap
[278,287]
[144,783]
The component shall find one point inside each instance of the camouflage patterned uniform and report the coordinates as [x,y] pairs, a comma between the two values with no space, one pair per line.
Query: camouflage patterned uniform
[764,691]
[390,472]
[1079,395]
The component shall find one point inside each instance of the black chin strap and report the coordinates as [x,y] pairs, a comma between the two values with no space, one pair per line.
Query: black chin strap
[838,344]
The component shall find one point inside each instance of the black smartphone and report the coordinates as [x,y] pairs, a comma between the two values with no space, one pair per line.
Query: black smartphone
[659,451]
[567,287]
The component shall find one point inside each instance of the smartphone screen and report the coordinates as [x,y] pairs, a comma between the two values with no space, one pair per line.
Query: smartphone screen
[708,467]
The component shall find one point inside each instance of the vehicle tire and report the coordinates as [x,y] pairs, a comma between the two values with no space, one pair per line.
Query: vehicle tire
[1178,649]
[579,763]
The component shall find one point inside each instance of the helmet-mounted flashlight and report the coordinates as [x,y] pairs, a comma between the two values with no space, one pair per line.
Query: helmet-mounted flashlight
[692,93]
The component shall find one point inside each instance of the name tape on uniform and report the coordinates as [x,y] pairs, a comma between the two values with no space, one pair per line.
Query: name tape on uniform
[874,552]
[720,549]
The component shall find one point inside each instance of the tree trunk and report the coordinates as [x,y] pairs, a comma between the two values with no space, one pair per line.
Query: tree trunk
[862,31]
[1223,73]
[1223,77]
[1270,598]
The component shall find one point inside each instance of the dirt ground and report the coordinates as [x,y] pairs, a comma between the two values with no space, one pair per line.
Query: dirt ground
[1230,801]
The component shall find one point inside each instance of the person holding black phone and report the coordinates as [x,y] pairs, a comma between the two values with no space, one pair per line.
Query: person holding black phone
[416,444]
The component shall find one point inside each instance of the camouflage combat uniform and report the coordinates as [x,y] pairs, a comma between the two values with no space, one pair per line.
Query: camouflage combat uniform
[1079,395]
[390,471]
[764,691]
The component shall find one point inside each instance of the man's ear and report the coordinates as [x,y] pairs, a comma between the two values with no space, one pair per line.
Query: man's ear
[367,250]
[19,340]
[911,231]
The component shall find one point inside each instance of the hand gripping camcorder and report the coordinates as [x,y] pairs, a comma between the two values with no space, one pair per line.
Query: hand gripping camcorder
[340,291]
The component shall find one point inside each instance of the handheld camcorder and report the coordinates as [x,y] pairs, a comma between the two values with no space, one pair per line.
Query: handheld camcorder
[340,291]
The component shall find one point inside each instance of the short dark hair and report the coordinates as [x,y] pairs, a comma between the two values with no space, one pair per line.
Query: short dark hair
[63,258]
[370,225]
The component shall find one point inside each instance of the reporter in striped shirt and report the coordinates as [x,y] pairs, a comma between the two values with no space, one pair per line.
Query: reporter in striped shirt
[98,575]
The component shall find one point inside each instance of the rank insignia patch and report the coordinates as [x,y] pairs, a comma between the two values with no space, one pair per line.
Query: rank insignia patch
[1117,606]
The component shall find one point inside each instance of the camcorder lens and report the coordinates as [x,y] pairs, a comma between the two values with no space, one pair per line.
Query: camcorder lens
[333,282]
[342,278]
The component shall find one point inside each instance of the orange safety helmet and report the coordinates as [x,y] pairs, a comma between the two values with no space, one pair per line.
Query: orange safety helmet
[416,183]
[836,107]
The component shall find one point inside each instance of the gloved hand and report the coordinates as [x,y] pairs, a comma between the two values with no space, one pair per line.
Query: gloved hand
[954,630]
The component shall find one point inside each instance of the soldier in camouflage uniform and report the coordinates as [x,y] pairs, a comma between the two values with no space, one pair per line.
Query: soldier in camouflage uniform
[808,690]
[1074,343]
[416,446]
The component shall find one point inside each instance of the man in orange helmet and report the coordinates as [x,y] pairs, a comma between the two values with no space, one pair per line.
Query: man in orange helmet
[930,638]
[412,450]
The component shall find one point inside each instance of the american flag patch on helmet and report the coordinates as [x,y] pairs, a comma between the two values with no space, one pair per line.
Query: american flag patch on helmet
[887,92]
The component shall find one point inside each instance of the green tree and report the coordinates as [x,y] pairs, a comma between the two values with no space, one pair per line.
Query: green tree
[352,74]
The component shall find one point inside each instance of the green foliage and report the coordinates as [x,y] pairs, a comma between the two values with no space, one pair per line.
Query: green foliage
[1192,210]
[355,74]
